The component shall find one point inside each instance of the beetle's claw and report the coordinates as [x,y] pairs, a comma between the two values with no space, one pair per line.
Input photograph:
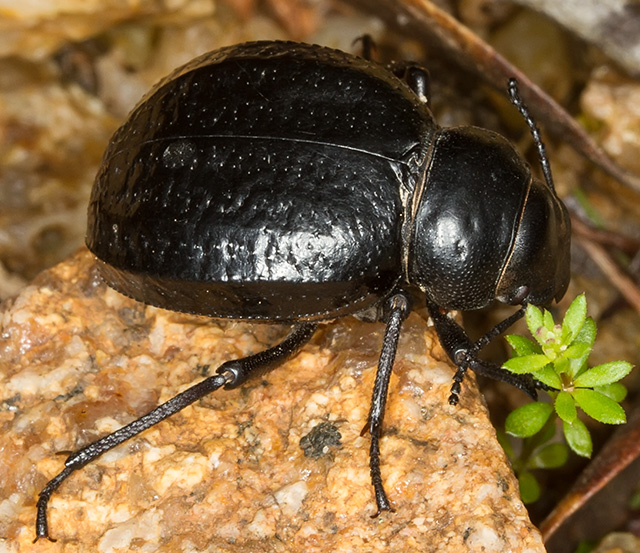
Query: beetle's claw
[387,508]
[46,536]
[382,501]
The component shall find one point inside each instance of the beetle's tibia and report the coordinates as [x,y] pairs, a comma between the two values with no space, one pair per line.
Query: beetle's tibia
[238,371]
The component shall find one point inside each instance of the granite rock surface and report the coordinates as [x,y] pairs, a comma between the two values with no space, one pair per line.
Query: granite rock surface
[229,473]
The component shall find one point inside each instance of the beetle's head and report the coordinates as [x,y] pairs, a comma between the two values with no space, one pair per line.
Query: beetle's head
[537,270]
[484,228]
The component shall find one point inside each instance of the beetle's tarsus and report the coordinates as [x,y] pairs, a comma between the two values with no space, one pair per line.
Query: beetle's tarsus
[382,501]
[545,387]
[42,526]
[458,377]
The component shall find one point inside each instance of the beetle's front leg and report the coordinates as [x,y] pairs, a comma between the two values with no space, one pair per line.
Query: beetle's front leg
[464,353]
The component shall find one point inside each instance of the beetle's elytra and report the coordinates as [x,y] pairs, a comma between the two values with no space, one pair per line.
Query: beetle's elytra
[286,182]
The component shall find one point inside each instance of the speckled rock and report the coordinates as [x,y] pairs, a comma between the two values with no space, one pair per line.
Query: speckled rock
[612,25]
[610,100]
[78,360]
[35,28]
[619,542]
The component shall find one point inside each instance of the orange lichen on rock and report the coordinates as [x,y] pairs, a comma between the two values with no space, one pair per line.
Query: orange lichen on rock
[229,473]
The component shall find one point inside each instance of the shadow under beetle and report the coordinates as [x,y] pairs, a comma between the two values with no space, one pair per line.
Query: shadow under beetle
[284,182]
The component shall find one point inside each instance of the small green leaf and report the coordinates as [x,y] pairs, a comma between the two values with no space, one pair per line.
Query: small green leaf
[587,335]
[586,546]
[616,391]
[599,407]
[547,375]
[634,500]
[576,351]
[522,346]
[566,407]
[550,456]
[607,373]
[578,437]
[547,321]
[533,316]
[561,365]
[529,487]
[526,363]
[547,433]
[574,319]
[528,419]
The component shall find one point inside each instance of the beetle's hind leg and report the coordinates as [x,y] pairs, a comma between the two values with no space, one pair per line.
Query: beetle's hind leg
[416,76]
[368,46]
[229,375]
[399,308]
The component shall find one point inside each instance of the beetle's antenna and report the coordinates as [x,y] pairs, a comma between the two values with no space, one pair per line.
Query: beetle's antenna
[514,96]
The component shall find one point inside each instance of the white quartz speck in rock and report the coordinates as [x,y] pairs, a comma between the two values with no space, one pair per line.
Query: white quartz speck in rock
[145,527]
[290,497]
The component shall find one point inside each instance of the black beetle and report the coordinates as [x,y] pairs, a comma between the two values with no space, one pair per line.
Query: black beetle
[285,182]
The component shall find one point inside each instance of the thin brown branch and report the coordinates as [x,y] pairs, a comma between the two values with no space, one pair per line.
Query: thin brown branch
[627,244]
[625,284]
[618,453]
[425,19]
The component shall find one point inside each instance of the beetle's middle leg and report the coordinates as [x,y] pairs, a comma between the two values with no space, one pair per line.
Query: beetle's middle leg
[398,310]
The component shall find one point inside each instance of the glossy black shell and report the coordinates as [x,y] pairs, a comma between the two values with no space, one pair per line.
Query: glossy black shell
[289,182]
[264,181]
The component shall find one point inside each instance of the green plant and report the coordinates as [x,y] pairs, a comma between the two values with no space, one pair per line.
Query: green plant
[558,358]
